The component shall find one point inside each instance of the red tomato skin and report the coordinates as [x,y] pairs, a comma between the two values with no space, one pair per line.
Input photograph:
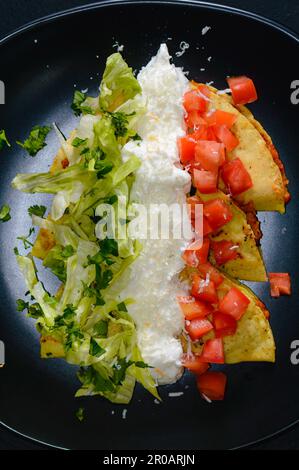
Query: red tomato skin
[201,291]
[220,118]
[192,201]
[224,251]
[236,177]
[224,135]
[198,327]
[202,253]
[212,385]
[194,121]
[213,351]
[205,181]
[217,212]
[194,101]
[186,149]
[210,155]
[243,89]
[214,274]
[200,132]
[225,325]
[192,363]
[234,303]
[280,284]
[190,259]
[192,308]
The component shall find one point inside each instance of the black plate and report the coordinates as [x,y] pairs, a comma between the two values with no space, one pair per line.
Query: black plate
[40,65]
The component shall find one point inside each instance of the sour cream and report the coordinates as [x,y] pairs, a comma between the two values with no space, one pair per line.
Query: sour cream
[153,278]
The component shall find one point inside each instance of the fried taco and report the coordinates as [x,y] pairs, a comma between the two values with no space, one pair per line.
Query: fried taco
[257,153]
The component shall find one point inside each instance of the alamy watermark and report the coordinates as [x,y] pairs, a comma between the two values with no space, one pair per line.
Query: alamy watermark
[153,221]
[2,354]
[295,94]
[2,92]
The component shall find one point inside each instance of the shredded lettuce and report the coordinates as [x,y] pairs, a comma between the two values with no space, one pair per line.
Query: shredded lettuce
[118,84]
[84,323]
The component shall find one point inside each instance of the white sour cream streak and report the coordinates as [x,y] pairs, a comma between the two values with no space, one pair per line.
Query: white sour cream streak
[153,278]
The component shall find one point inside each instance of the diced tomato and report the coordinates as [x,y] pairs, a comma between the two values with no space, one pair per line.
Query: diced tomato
[224,135]
[198,327]
[212,385]
[186,149]
[194,120]
[190,258]
[202,253]
[243,89]
[194,101]
[203,89]
[205,181]
[206,228]
[225,325]
[192,362]
[200,132]
[210,155]
[192,201]
[234,303]
[192,308]
[215,276]
[280,284]
[211,134]
[204,289]
[199,248]
[202,229]
[213,351]
[224,251]
[217,213]
[220,118]
[236,177]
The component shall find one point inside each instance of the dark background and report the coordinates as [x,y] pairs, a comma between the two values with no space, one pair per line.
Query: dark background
[15,13]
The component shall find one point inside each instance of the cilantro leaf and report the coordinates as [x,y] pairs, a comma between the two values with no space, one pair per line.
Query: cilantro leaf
[95,349]
[27,244]
[136,137]
[119,121]
[67,251]
[101,328]
[36,140]
[102,168]
[3,140]
[122,307]
[37,210]
[5,213]
[22,305]
[77,142]
[80,414]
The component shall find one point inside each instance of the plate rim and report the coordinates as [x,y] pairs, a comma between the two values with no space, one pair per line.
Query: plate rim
[107,3]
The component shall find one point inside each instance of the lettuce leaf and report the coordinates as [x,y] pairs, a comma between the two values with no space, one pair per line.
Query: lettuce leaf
[118,84]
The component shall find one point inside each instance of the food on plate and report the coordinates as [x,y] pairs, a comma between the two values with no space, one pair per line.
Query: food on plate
[129,306]
[280,284]
[233,245]
[253,172]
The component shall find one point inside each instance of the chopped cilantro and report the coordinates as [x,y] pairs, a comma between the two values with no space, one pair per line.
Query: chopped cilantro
[77,142]
[27,244]
[80,414]
[36,140]
[3,140]
[37,210]
[67,251]
[95,349]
